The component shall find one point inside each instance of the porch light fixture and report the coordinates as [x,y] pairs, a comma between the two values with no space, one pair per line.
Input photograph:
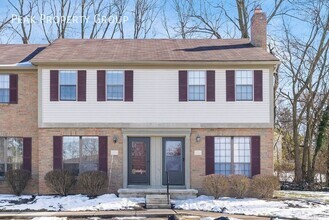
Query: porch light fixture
[198,138]
[115,139]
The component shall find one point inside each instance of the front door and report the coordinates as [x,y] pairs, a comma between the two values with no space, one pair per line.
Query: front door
[138,161]
[173,162]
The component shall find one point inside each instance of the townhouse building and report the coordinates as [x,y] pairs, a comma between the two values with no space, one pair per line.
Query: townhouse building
[139,110]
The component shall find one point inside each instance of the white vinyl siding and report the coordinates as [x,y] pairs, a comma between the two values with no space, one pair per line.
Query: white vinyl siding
[155,102]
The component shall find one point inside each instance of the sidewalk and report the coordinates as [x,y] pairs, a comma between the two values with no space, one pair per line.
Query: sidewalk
[149,213]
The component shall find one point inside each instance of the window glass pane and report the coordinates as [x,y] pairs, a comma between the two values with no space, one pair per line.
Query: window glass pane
[115,92]
[68,77]
[242,156]
[4,81]
[244,93]
[71,150]
[2,150]
[68,93]
[15,151]
[244,85]
[4,95]
[89,159]
[4,88]
[223,155]
[114,85]
[68,83]
[72,167]
[197,82]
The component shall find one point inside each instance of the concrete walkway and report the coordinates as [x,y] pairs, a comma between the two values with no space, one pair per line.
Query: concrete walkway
[149,213]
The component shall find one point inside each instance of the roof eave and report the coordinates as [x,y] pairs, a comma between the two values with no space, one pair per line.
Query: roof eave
[160,62]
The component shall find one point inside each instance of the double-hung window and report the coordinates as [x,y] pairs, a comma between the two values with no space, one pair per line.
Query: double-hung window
[196,85]
[80,154]
[114,82]
[11,154]
[232,155]
[68,85]
[244,85]
[4,88]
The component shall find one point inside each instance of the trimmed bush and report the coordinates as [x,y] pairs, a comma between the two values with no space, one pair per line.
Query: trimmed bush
[17,180]
[60,181]
[263,186]
[92,182]
[238,186]
[216,185]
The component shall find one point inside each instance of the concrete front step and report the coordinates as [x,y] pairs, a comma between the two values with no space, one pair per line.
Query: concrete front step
[157,201]
[174,193]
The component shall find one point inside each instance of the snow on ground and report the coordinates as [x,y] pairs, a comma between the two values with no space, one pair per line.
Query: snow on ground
[290,204]
[306,195]
[300,209]
[70,203]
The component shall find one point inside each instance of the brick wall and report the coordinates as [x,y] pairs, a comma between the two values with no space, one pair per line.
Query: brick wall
[21,120]
[46,154]
[198,162]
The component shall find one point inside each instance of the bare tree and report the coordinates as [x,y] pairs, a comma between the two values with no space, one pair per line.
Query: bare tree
[24,11]
[120,8]
[306,68]
[60,11]
[145,13]
[207,20]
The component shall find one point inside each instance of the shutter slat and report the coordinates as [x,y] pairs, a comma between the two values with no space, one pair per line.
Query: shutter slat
[101,85]
[210,157]
[13,88]
[57,152]
[255,155]
[211,85]
[27,154]
[102,153]
[54,85]
[258,85]
[182,78]
[82,85]
[129,85]
[230,85]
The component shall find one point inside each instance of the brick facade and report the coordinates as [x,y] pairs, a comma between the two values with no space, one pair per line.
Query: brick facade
[21,120]
[198,162]
[46,153]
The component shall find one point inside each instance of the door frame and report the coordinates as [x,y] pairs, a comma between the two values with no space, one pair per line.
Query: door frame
[164,175]
[155,132]
[148,155]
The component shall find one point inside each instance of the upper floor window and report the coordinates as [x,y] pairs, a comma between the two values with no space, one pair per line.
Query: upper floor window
[4,88]
[114,82]
[244,85]
[11,154]
[80,154]
[232,155]
[196,85]
[68,85]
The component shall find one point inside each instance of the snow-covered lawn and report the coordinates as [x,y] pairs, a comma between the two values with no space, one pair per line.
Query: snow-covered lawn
[300,209]
[69,203]
[289,204]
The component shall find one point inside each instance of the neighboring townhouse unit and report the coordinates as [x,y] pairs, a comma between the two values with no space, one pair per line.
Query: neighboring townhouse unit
[139,109]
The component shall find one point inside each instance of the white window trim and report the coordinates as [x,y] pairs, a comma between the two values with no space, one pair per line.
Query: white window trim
[232,152]
[5,103]
[205,86]
[5,154]
[80,150]
[59,86]
[235,84]
[123,86]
